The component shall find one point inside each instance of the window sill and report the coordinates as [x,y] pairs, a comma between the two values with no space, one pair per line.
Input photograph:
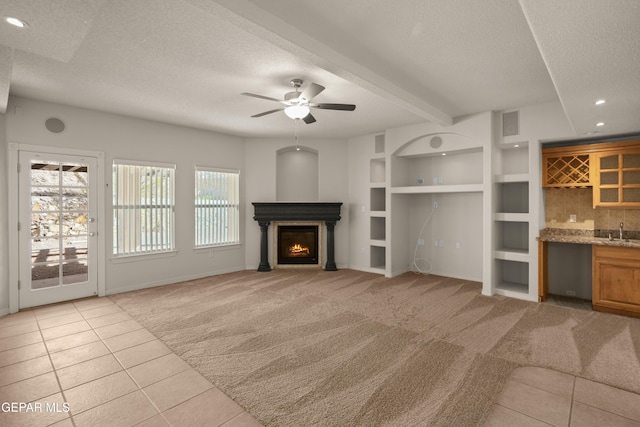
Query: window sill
[142,257]
[227,247]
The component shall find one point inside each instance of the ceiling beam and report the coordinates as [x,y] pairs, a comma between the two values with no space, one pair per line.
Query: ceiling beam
[255,20]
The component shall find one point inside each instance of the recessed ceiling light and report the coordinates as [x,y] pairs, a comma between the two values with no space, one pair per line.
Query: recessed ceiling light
[516,146]
[444,154]
[16,22]
[600,124]
[600,101]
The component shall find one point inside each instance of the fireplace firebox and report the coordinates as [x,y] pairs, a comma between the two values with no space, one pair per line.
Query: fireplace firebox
[297,244]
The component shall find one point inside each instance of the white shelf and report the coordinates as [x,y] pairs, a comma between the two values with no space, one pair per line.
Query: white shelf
[377,214]
[377,185]
[512,177]
[433,189]
[377,243]
[509,254]
[512,217]
[515,290]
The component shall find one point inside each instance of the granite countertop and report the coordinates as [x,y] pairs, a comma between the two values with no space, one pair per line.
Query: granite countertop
[589,237]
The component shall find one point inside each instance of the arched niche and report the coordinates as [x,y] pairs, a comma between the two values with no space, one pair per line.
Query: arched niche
[297,177]
[436,143]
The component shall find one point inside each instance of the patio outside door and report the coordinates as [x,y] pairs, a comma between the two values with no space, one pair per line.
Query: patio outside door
[58,228]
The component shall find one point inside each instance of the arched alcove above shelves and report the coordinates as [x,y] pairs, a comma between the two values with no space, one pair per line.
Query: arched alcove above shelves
[437,162]
[436,143]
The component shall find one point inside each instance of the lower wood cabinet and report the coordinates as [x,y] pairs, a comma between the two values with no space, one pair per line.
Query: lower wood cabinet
[616,280]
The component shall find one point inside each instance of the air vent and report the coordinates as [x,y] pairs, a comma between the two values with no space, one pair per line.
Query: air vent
[511,123]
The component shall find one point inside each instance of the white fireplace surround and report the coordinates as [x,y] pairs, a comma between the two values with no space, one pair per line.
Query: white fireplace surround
[321,244]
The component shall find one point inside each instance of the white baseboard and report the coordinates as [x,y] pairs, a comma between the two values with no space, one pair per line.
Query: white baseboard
[170,281]
[4,311]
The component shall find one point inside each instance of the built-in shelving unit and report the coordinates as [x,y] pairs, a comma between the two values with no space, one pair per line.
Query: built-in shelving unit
[378,206]
[513,228]
[436,182]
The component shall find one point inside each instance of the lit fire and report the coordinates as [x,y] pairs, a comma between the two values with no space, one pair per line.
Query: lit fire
[299,250]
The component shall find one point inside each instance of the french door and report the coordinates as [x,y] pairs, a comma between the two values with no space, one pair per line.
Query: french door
[57,228]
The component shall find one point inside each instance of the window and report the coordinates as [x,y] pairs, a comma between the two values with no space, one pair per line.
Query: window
[143,207]
[217,207]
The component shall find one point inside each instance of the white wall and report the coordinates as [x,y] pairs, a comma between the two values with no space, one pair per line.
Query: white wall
[260,186]
[4,242]
[129,138]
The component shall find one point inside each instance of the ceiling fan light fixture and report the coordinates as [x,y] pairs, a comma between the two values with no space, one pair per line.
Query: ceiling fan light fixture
[297,111]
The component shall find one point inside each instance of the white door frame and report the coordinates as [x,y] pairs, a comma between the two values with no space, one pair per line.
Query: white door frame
[13,179]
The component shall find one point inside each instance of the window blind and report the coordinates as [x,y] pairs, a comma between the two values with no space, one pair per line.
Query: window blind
[143,207]
[217,210]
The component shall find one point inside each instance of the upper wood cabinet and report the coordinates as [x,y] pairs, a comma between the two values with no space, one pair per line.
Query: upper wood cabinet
[617,180]
[566,167]
[611,168]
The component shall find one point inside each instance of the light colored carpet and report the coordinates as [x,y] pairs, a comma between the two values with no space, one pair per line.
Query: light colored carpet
[348,348]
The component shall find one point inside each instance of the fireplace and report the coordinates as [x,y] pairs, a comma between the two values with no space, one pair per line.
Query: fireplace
[320,215]
[297,244]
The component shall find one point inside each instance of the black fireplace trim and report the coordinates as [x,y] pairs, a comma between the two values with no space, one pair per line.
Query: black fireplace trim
[265,212]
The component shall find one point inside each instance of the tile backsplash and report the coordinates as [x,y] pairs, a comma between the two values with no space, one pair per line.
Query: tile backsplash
[561,203]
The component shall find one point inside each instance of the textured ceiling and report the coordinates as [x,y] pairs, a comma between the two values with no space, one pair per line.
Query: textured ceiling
[187,61]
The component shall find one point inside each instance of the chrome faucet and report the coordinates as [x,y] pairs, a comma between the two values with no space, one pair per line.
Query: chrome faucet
[621,228]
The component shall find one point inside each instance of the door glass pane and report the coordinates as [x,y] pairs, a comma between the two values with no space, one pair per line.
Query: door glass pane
[631,194]
[609,195]
[609,162]
[609,178]
[45,173]
[45,275]
[631,160]
[631,177]
[44,199]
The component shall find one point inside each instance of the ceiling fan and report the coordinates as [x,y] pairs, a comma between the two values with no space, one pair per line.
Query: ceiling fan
[298,104]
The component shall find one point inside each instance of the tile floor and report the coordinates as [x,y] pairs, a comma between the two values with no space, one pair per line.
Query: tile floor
[88,363]
[542,397]
[110,371]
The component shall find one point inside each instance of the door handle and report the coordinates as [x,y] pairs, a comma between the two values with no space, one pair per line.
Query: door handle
[91,234]
[92,220]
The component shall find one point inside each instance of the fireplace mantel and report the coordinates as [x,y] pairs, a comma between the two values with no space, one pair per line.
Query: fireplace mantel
[265,212]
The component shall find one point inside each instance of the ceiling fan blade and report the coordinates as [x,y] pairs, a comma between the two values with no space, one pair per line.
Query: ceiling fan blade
[342,107]
[268,98]
[267,112]
[312,91]
[309,119]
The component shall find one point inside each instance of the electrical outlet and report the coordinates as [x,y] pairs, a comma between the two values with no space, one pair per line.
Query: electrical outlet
[435,204]
[572,218]
[420,181]
[435,179]
[420,242]
[458,245]
[364,208]
[440,180]
[441,243]
[435,243]
[363,250]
